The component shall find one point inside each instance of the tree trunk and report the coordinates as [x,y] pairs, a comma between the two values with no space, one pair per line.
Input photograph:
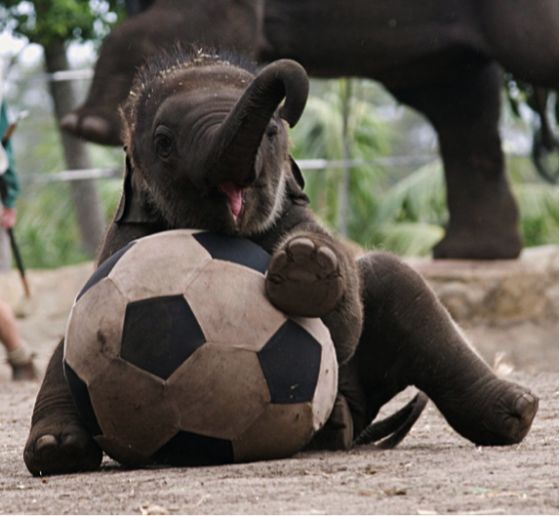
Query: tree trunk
[344,188]
[84,192]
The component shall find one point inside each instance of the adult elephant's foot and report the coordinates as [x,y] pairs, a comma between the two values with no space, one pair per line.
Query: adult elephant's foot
[304,278]
[479,243]
[92,126]
[58,443]
[492,412]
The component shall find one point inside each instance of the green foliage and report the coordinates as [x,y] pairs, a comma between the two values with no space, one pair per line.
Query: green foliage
[409,238]
[419,196]
[538,204]
[48,21]
[412,212]
[318,135]
[47,231]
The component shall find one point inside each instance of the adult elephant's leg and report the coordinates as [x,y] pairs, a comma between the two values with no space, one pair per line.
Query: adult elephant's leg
[483,216]
[98,120]
[58,442]
[409,338]
[527,46]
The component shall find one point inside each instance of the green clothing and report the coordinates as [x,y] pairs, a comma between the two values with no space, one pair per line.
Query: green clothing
[9,176]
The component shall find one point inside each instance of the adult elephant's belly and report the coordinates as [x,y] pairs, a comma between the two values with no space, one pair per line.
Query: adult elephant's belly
[388,40]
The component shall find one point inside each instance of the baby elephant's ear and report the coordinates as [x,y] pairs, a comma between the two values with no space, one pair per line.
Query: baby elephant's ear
[296,172]
[134,207]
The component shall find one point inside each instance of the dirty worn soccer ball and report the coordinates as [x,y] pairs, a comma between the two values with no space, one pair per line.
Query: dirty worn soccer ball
[174,355]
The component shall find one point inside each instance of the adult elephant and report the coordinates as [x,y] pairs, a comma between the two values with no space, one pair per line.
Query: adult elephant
[441,57]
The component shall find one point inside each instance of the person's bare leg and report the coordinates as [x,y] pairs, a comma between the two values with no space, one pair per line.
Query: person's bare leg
[19,356]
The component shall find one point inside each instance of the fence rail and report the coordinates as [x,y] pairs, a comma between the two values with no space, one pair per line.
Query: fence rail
[116,172]
[304,164]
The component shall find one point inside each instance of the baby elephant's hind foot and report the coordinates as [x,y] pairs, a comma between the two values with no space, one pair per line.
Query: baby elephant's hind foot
[304,278]
[499,413]
[59,443]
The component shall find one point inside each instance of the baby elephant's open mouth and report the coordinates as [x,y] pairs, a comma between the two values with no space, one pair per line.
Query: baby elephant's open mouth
[234,195]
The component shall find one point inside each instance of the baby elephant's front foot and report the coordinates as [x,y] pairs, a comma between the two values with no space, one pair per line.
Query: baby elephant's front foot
[304,278]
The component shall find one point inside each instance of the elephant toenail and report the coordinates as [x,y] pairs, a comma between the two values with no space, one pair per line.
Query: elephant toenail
[525,402]
[301,246]
[45,442]
[327,259]
[69,122]
[72,441]
[280,260]
[95,125]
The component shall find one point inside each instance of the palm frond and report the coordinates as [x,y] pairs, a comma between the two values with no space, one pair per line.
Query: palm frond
[538,206]
[418,196]
[536,199]
[409,238]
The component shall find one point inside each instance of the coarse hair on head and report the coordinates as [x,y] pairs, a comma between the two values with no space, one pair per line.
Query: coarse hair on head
[159,67]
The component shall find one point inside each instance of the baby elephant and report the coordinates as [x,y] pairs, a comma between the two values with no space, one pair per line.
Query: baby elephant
[207,147]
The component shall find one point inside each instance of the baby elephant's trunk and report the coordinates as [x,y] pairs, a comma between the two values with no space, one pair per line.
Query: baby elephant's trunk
[233,152]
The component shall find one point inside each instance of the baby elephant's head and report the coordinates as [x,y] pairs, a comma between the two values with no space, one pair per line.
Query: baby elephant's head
[207,139]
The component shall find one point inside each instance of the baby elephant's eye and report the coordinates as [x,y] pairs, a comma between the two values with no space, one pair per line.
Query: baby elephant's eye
[163,142]
[272,130]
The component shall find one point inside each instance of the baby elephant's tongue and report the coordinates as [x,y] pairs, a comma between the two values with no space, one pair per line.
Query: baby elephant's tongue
[234,195]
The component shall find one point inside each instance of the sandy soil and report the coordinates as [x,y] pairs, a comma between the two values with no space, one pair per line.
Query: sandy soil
[433,471]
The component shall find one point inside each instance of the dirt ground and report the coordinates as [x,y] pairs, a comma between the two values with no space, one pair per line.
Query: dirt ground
[433,471]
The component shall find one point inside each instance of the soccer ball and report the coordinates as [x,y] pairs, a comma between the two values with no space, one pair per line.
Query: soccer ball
[173,354]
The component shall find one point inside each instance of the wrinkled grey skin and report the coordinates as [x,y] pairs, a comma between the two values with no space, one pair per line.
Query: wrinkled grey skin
[202,134]
[441,57]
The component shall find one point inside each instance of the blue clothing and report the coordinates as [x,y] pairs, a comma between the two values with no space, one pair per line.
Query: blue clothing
[9,177]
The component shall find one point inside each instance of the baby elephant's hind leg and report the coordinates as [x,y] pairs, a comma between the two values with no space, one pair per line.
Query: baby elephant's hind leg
[409,333]
[58,442]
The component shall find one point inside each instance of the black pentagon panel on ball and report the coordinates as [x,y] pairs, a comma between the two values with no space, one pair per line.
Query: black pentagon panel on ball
[234,249]
[190,449]
[159,334]
[290,361]
[82,400]
[104,269]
